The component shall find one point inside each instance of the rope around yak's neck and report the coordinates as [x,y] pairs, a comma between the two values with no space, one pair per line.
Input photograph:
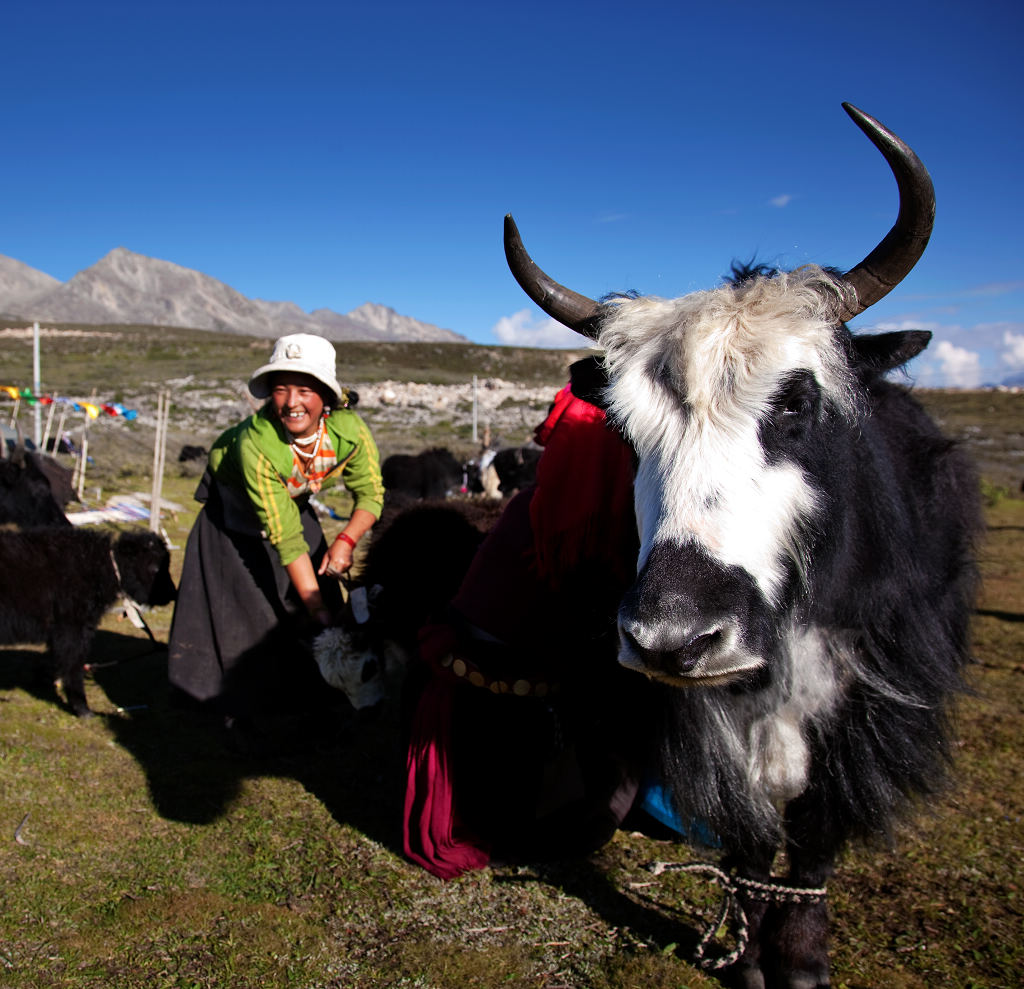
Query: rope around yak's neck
[731,886]
[131,608]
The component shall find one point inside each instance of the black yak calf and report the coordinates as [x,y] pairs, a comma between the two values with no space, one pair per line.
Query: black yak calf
[56,583]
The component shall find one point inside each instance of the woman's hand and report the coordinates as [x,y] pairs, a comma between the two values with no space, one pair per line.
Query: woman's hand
[338,558]
[300,571]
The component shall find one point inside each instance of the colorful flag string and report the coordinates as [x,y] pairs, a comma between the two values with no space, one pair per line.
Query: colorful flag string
[91,409]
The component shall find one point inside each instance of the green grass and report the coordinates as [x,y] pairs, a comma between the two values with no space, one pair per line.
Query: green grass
[150,858]
[103,354]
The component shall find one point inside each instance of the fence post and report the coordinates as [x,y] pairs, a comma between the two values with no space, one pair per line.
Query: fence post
[83,456]
[474,408]
[36,433]
[163,405]
[49,422]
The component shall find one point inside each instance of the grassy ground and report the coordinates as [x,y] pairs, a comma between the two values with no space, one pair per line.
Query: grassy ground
[135,852]
[80,358]
[145,856]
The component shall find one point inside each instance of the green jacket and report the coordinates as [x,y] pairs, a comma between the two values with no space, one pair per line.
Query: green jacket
[254,458]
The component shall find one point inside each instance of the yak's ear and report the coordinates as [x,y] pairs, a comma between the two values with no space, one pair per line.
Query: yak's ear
[587,380]
[881,352]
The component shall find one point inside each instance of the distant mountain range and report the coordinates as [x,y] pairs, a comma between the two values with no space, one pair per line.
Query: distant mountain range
[128,288]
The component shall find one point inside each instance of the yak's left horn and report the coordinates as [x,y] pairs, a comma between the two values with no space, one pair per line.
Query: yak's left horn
[570,308]
[890,262]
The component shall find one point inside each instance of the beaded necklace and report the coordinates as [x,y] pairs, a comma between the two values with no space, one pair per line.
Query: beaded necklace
[311,441]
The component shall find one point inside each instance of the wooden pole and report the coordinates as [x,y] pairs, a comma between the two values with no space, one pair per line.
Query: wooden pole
[60,427]
[474,408]
[36,431]
[49,422]
[82,457]
[163,405]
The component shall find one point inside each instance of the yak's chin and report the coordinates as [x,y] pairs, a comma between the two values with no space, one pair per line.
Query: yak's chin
[740,668]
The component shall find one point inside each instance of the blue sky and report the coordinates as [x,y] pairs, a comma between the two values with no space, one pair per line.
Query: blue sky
[332,154]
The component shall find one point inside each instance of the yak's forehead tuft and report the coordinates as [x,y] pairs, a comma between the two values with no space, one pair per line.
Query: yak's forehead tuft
[724,351]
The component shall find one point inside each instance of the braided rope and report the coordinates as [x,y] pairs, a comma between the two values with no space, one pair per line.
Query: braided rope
[131,608]
[731,886]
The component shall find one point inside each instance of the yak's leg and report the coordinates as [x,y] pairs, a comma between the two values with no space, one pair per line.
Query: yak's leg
[747,972]
[794,939]
[69,649]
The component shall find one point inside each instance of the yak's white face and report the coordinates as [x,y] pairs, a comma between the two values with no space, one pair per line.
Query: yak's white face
[692,383]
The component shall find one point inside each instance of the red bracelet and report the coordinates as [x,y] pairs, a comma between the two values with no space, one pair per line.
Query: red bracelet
[345,538]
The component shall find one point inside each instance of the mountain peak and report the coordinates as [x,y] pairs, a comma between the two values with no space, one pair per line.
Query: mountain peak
[125,287]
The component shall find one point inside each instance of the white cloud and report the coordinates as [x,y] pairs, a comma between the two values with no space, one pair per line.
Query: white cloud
[959,367]
[523,329]
[993,347]
[1014,353]
[779,201]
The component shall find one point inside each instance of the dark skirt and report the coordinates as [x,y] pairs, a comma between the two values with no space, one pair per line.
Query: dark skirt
[239,640]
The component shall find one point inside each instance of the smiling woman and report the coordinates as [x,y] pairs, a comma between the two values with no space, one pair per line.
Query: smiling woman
[258,571]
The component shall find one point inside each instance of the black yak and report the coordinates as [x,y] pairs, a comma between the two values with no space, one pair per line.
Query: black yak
[34,488]
[56,583]
[515,467]
[427,475]
[805,571]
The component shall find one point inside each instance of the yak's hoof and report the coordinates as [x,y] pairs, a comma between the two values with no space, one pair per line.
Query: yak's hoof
[745,977]
[806,980]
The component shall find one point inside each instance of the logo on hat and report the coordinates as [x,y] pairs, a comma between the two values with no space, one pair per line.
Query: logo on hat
[293,351]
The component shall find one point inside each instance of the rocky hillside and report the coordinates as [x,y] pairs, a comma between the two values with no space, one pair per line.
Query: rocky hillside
[126,288]
[19,281]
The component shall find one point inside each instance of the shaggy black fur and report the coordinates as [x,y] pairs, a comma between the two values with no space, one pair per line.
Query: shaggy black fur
[418,558]
[427,475]
[34,489]
[516,468]
[56,583]
[889,584]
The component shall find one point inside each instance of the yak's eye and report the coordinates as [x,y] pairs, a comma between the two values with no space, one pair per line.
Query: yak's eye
[792,410]
[798,396]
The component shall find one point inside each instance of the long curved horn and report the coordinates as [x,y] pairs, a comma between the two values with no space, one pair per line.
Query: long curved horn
[890,262]
[570,308]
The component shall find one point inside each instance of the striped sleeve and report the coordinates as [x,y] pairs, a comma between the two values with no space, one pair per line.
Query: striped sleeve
[277,513]
[361,469]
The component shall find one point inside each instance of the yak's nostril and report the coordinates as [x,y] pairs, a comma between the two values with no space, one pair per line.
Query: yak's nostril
[687,657]
[668,649]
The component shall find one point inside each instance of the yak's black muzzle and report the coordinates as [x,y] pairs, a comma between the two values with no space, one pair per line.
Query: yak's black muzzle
[689,617]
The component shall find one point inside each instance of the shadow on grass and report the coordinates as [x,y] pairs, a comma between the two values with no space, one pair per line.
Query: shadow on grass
[653,921]
[353,764]
[349,761]
[1006,616]
[28,668]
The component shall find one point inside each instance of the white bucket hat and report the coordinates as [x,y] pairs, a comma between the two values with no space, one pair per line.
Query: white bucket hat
[300,353]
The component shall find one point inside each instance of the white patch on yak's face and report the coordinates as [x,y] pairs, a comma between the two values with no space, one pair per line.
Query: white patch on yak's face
[713,487]
[691,380]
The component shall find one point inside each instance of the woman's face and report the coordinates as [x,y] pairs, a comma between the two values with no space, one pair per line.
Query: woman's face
[297,402]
